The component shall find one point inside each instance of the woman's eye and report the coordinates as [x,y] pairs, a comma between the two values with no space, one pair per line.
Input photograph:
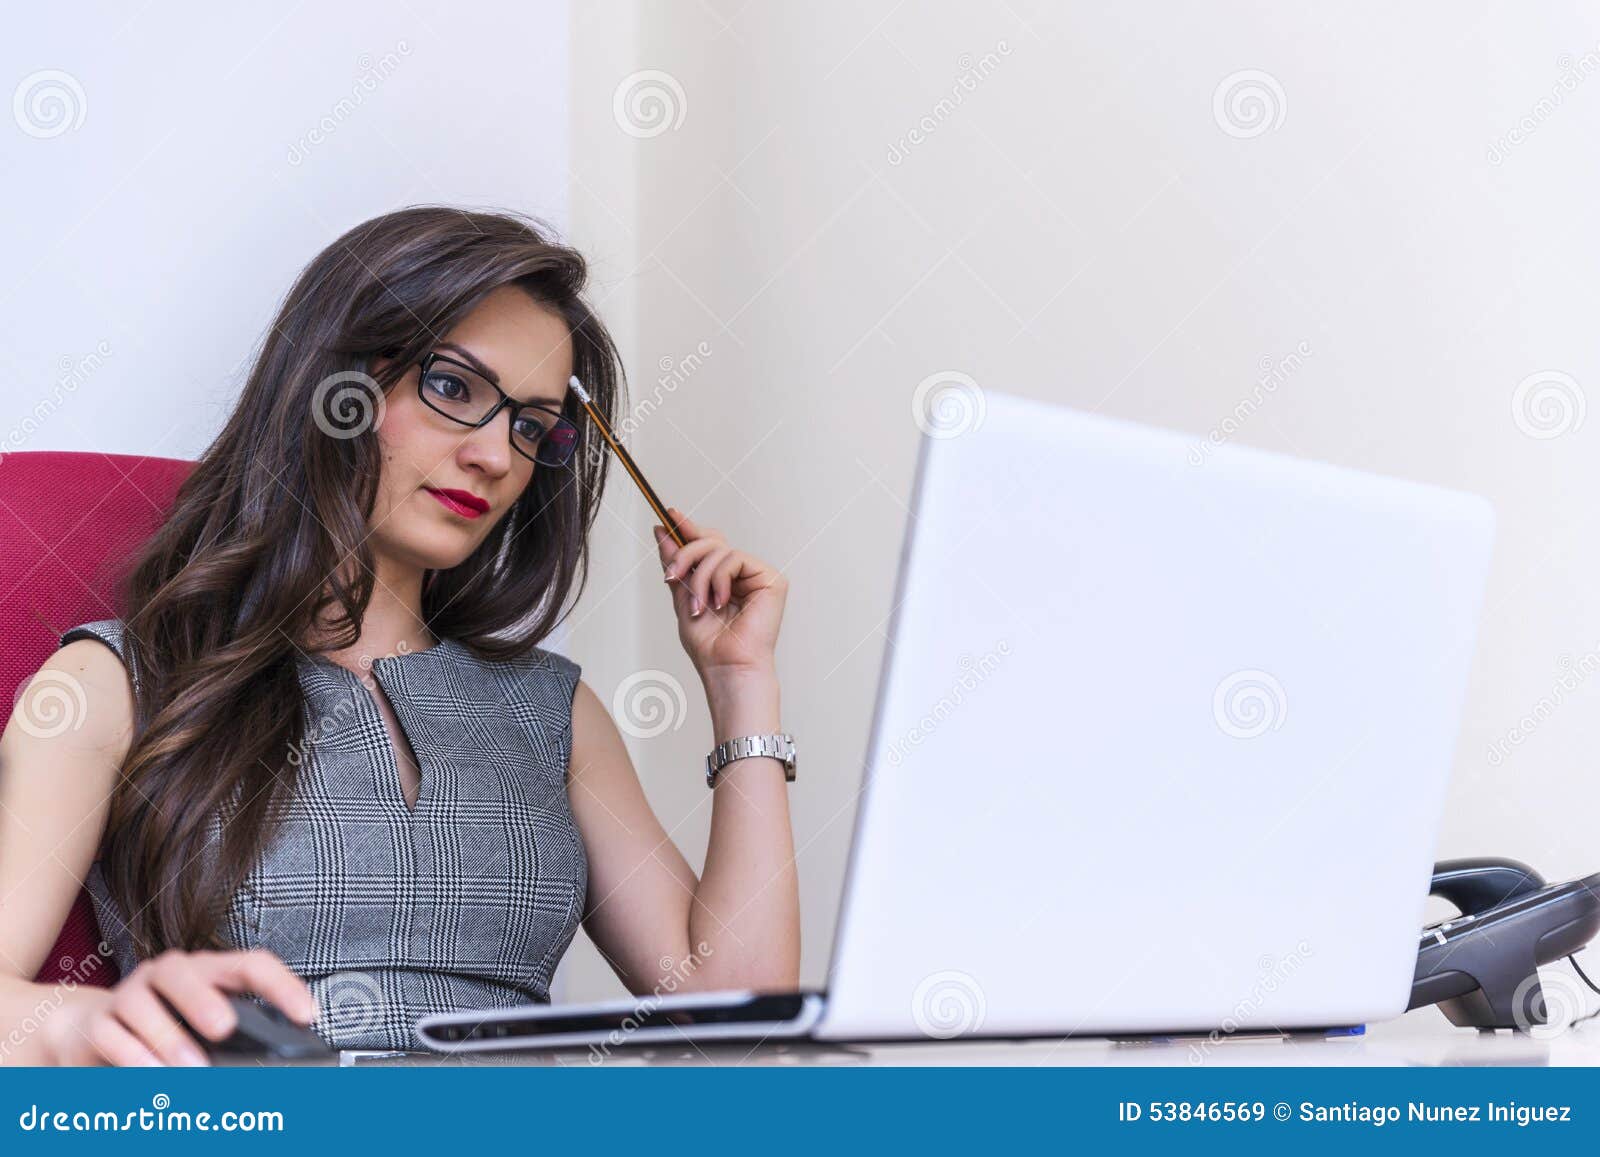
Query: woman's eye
[451,389]
[530,428]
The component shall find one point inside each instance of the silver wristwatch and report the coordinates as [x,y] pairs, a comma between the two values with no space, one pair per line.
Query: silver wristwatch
[779,746]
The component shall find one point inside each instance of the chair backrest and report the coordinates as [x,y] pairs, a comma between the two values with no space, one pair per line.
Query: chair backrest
[69,525]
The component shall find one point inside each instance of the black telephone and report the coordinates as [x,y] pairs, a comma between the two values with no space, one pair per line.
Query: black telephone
[1482,967]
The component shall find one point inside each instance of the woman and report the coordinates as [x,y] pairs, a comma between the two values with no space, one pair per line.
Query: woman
[322,758]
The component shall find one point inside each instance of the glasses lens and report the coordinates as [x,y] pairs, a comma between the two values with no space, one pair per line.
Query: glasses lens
[457,392]
[465,396]
[556,447]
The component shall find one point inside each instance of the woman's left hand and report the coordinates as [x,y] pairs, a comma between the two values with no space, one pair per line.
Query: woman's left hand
[740,599]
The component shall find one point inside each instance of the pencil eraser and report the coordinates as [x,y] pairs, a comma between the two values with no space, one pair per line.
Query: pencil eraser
[577,388]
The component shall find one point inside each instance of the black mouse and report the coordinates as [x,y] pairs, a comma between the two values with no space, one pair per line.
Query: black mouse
[264,1031]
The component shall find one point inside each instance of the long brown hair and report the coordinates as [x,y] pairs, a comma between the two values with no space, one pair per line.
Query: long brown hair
[266,549]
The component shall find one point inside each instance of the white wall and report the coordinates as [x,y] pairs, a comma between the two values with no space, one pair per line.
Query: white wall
[204,154]
[1083,225]
[171,170]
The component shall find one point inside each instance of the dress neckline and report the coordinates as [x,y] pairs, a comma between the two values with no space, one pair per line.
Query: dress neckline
[443,647]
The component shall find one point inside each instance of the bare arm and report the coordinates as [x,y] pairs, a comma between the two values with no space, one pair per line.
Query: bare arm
[738,925]
[640,886]
[59,760]
[656,923]
[749,897]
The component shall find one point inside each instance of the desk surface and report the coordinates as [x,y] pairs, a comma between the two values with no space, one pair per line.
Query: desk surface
[1423,1037]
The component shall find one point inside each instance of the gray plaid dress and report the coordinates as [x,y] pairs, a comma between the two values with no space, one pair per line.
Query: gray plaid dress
[387,913]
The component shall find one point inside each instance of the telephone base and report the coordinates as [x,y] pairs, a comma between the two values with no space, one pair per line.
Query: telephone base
[1482,968]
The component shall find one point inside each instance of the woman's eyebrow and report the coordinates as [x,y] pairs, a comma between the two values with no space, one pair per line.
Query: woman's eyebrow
[478,364]
[470,358]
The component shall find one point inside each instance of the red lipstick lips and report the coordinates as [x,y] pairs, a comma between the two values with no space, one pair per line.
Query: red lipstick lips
[461,502]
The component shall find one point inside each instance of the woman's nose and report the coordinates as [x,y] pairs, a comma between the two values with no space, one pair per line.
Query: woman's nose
[489,446]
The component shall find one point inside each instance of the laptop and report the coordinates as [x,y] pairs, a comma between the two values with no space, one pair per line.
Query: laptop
[1161,742]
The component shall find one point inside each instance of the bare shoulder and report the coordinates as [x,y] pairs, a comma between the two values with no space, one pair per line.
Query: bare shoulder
[80,701]
[59,758]
[596,742]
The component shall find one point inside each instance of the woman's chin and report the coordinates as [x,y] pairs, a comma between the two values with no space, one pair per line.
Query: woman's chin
[445,560]
[432,555]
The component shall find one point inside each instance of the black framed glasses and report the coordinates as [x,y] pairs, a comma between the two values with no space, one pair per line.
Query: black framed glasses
[459,392]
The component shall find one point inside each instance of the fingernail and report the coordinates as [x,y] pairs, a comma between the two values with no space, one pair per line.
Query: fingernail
[667,573]
[694,607]
[192,1056]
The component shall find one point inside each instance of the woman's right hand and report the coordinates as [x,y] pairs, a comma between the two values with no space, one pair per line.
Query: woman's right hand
[130,1024]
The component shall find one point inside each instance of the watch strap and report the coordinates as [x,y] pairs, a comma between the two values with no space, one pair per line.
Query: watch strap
[779,746]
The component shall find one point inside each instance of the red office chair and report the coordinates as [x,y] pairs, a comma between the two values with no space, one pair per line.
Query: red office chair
[69,524]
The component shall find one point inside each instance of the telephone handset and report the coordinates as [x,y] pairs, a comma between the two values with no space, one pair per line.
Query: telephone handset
[1482,967]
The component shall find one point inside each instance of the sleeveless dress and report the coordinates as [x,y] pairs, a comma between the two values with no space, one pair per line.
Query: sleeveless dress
[387,913]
